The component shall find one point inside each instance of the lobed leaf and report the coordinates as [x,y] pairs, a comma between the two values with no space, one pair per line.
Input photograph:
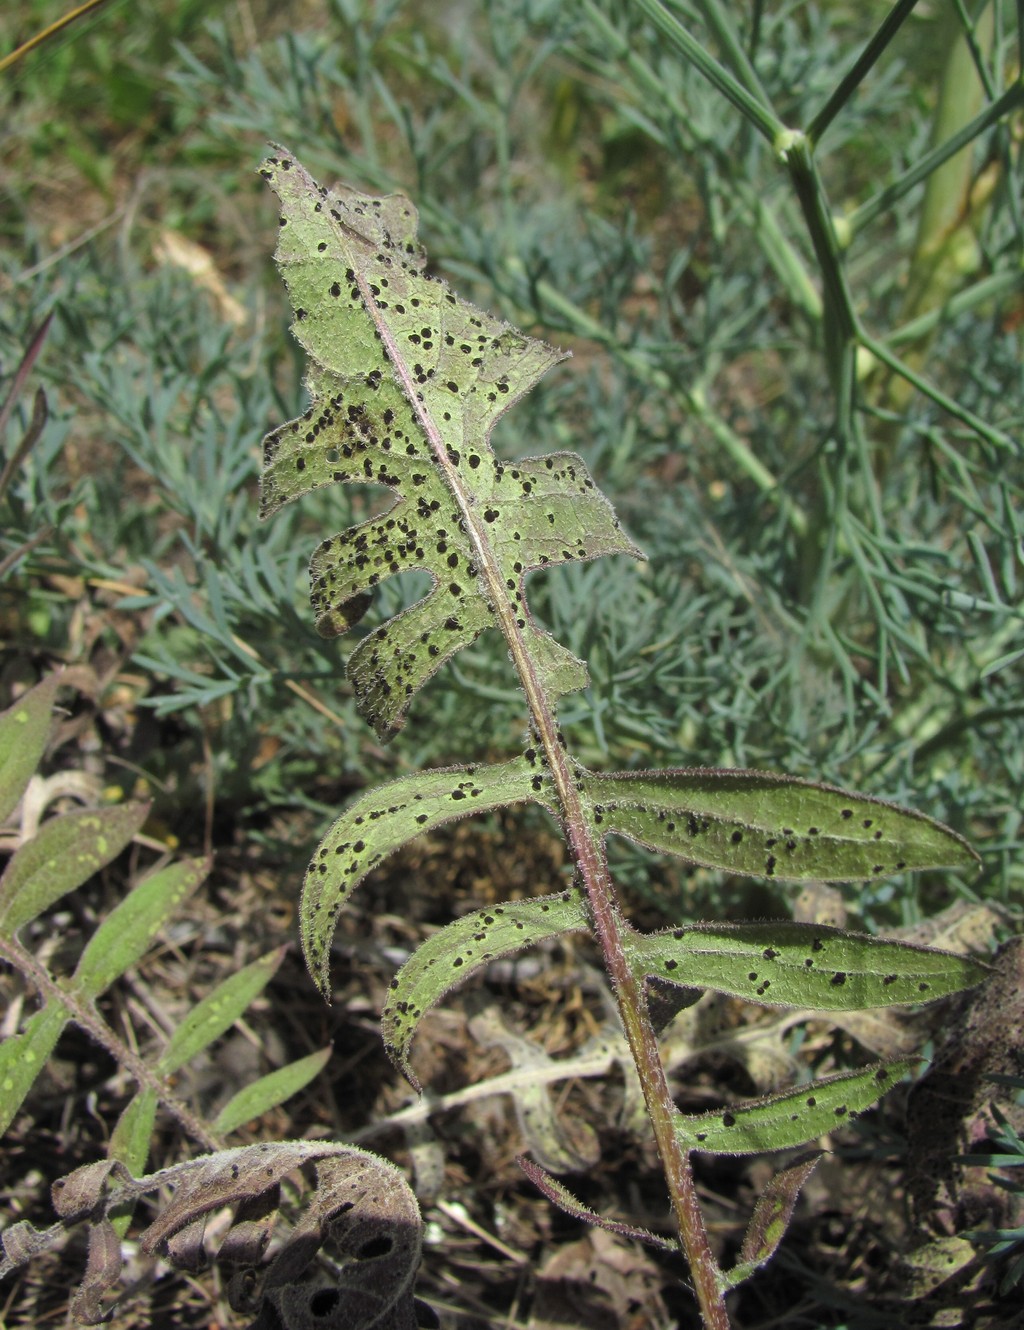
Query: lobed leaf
[760,824]
[800,965]
[65,852]
[407,382]
[781,1121]
[24,729]
[382,821]
[459,949]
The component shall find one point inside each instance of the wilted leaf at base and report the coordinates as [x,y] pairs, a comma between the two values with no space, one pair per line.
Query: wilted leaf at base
[557,1147]
[361,1209]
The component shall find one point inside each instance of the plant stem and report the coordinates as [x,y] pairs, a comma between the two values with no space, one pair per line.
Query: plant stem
[587,849]
[83,1014]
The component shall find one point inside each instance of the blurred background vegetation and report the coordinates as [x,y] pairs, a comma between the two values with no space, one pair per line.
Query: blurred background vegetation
[835,555]
[827,608]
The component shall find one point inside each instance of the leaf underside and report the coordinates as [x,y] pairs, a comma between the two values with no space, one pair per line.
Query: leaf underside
[781,1121]
[380,822]
[801,965]
[765,825]
[407,381]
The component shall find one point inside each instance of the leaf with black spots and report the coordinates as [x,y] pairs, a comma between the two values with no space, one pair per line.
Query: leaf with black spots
[380,822]
[765,825]
[407,381]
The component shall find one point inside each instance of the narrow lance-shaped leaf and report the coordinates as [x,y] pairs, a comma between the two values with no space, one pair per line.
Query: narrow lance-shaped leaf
[801,965]
[23,732]
[380,822]
[766,825]
[23,1056]
[131,926]
[268,1091]
[451,955]
[65,852]
[219,1010]
[781,1121]
[407,382]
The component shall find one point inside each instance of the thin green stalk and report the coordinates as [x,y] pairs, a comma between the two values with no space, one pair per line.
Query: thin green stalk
[721,25]
[986,291]
[861,67]
[761,117]
[781,253]
[840,320]
[996,437]
[868,212]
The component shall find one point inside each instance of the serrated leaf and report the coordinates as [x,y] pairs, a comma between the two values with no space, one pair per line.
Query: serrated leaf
[65,852]
[765,825]
[459,949]
[781,1121]
[24,729]
[23,1056]
[131,926]
[380,822]
[800,965]
[269,1091]
[407,382]
[218,1011]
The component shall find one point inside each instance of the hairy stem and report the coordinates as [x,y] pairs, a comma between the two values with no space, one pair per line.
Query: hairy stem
[83,1014]
[588,855]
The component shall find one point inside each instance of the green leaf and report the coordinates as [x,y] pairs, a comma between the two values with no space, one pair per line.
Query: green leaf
[130,927]
[768,1224]
[800,965]
[24,729]
[407,382]
[65,852]
[269,1091]
[380,822]
[761,824]
[781,1121]
[132,1134]
[463,947]
[218,1011]
[23,1056]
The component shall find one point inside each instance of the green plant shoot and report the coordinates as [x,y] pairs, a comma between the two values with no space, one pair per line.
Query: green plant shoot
[407,381]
